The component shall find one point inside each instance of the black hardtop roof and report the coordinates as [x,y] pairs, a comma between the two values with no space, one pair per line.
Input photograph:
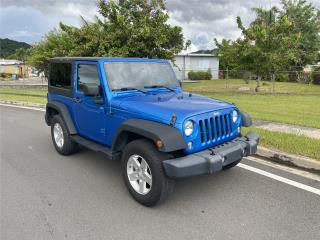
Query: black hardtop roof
[99,58]
[111,59]
[76,58]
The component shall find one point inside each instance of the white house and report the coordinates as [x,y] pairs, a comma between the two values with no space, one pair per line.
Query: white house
[185,63]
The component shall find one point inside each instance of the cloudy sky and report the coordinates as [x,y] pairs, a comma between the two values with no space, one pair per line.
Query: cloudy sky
[202,20]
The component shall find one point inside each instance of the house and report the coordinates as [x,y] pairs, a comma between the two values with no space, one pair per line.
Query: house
[310,68]
[14,67]
[184,63]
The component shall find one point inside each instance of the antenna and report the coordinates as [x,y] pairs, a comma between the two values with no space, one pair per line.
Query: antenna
[110,110]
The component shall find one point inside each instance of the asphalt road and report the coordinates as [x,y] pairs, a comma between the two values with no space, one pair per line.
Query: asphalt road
[47,196]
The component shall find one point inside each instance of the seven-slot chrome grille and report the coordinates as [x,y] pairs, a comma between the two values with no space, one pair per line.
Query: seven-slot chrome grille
[215,128]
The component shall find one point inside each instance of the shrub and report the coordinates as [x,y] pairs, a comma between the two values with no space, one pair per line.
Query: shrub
[282,77]
[5,75]
[199,75]
[316,76]
[293,77]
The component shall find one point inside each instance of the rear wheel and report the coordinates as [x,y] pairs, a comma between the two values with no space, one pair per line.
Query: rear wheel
[60,137]
[143,174]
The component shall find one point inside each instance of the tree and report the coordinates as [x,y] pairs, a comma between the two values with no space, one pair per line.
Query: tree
[306,22]
[139,28]
[270,46]
[128,28]
[228,53]
[285,38]
[266,46]
[56,43]
[21,54]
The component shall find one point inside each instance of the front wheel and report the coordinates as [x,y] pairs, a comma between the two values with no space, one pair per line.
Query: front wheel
[143,174]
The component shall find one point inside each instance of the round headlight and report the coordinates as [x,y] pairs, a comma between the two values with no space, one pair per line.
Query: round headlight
[188,128]
[234,116]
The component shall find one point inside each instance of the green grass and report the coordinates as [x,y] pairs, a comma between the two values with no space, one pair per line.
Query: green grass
[291,109]
[12,97]
[23,98]
[233,85]
[23,91]
[290,143]
[297,104]
[5,79]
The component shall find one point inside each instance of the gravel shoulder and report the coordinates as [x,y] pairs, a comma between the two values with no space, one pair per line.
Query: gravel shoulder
[287,128]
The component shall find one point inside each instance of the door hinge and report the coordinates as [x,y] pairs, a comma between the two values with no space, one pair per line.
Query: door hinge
[103,131]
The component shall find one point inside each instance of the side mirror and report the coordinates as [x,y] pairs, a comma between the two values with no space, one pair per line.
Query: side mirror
[91,89]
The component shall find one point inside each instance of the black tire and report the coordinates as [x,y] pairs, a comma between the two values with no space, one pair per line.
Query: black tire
[162,186]
[231,165]
[69,147]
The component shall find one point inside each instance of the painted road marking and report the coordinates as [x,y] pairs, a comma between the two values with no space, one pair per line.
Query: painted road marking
[294,171]
[280,179]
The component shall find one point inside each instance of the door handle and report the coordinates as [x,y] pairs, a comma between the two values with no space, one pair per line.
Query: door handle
[76,100]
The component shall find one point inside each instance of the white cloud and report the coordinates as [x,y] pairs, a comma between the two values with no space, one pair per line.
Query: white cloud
[202,21]
[23,33]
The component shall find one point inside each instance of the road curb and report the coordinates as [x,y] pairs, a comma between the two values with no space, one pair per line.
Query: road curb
[23,104]
[289,159]
[24,94]
[24,86]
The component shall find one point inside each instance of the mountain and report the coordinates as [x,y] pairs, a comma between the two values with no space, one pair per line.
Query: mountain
[8,47]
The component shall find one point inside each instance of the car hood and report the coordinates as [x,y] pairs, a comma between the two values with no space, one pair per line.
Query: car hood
[162,106]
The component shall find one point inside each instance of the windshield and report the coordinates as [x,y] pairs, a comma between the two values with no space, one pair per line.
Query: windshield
[128,75]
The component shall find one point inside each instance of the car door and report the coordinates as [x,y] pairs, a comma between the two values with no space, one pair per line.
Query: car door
[88,110]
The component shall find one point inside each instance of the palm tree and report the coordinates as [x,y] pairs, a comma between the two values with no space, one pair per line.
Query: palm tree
[265,17]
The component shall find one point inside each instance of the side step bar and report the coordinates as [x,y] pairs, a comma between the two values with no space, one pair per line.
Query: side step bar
[95,147]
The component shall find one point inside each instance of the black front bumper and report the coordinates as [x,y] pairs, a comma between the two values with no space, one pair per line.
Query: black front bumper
[213,159]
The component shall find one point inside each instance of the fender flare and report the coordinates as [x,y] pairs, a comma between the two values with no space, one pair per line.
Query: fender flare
[246,119]
[171,137]
[64,113]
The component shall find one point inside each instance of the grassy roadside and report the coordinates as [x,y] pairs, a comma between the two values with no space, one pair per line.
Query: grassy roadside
[299,106]
[233,85]
[24,91]
[291,109]
[289,143]
[31,99]
[27,99]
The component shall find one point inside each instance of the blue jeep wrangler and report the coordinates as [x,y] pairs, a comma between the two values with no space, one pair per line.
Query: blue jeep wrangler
[135,110]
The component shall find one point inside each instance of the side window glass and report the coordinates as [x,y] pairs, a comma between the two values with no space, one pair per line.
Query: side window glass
[60,75]
[87,74]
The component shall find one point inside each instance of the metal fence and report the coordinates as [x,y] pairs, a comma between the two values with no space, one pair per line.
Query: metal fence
[221,81]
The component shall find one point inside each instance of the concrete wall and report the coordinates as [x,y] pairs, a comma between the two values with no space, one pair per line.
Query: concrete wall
[200,62]
[15,69]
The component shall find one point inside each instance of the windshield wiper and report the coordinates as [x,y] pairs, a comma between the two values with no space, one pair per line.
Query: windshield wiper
[130,88]
[161,86]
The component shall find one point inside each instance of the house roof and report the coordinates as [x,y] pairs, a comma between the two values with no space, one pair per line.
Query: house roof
[10,62]
[196,55]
